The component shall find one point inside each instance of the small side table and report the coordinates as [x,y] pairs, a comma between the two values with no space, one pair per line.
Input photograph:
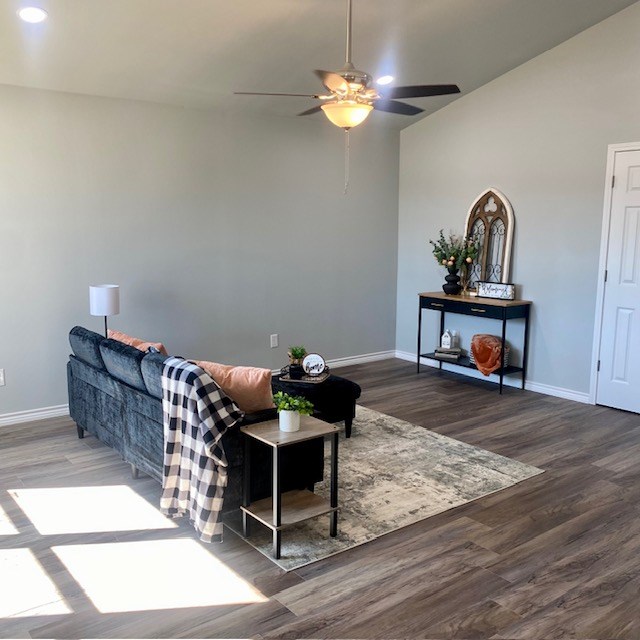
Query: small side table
[285,509]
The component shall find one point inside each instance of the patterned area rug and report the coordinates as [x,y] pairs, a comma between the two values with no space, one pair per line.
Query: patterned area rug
[391,474]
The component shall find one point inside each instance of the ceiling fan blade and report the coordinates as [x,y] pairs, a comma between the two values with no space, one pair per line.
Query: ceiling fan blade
[311,111]
[332,81]
[391,106]
[258,93]
[421,91]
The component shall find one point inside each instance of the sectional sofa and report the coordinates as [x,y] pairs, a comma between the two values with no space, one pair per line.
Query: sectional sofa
[115,394]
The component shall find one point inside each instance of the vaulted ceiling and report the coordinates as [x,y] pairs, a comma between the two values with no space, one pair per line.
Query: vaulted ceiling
[198,52]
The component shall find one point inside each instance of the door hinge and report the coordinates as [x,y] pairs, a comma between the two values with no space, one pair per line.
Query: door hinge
[606,273]
[598,365]
[613,181]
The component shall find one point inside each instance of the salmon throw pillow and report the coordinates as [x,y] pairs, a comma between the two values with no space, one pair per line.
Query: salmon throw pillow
[248,387]
[143,345]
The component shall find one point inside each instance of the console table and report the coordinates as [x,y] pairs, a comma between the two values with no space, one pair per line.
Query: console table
[481,308]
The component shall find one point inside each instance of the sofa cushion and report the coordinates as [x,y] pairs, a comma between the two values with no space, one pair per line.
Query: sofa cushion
[98,378]
[86,346]
[123,363]
[248,387]
[138,343]
[152,366]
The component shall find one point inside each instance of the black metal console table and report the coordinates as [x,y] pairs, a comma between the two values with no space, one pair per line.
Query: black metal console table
[481,308]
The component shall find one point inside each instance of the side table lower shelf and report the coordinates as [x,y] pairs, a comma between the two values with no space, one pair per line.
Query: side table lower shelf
[296,506]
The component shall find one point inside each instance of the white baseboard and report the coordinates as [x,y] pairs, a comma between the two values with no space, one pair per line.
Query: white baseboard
[34,414]
[336,363]
[558,392]
[63,409]
[537,387]
[411,357]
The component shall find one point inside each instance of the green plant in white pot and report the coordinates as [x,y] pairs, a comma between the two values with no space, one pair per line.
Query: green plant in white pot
[290,408]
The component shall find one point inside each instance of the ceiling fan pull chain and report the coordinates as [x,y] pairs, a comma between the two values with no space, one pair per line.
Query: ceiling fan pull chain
[347,148]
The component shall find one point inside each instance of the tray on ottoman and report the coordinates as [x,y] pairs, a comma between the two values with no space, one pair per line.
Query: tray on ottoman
[307,379]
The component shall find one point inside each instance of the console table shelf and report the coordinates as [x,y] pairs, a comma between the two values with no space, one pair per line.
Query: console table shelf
[464,361]
[502,310]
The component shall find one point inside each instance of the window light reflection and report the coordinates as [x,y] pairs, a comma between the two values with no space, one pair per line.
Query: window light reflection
[28,590]
[89,509]
[6,525]
[159,574]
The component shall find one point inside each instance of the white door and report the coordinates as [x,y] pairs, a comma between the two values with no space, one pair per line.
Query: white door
[619,374]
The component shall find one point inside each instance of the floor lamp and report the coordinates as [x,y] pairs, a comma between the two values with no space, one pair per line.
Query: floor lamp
[104,300]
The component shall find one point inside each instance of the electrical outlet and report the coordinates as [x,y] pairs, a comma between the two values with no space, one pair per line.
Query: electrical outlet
[1,377]
[274,340]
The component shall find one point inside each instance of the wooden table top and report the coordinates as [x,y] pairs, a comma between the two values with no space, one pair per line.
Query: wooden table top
[475,299]
[269,432]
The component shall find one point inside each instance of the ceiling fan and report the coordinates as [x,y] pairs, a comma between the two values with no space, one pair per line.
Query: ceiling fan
[351,97]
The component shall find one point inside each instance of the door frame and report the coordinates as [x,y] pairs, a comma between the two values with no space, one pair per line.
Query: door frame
[602,264]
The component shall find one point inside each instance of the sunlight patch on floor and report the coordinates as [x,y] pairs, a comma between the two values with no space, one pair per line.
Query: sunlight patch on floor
[27,590]
[6,525]
[89,510]
[159,574]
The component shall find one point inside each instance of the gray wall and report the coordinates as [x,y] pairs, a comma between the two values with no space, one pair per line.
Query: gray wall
[540,135]
[220,230]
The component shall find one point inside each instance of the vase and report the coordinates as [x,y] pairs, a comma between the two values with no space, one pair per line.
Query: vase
[289,420]
[452,288]
[295,371]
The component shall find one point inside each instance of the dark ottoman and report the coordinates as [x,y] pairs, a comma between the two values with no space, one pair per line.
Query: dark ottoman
[333,400]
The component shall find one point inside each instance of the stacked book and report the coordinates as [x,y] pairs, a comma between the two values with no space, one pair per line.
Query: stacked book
[449,355]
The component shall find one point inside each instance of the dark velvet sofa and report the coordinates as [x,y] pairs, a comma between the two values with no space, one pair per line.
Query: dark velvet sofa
[115,394]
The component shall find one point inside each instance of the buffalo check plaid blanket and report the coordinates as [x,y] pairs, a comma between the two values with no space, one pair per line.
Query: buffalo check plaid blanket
[196,415]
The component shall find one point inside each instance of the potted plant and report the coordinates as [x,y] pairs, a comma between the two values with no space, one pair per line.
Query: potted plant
[296,356]
[455,253]
[290,408]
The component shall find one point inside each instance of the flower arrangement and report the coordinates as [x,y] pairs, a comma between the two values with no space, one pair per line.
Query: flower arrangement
[455,252]
[285,402]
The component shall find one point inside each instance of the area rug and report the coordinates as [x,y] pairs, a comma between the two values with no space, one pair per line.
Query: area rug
[391,473]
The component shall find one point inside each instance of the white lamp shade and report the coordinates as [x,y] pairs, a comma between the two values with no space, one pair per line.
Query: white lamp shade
[104,300]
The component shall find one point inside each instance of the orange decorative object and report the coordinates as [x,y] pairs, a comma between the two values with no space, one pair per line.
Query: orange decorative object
[487,352]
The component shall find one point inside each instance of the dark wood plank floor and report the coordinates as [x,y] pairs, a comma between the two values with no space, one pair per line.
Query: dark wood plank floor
[557,556]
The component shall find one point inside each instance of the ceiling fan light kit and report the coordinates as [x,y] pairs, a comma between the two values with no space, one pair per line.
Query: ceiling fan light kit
[346,114]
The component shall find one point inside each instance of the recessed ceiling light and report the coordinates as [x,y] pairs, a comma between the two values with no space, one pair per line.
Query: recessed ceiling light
[384,80]
[32,14]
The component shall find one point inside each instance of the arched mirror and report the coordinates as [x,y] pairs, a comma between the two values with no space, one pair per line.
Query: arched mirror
[490,221]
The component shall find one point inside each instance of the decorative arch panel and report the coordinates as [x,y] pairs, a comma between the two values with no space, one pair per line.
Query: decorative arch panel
[490,221]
